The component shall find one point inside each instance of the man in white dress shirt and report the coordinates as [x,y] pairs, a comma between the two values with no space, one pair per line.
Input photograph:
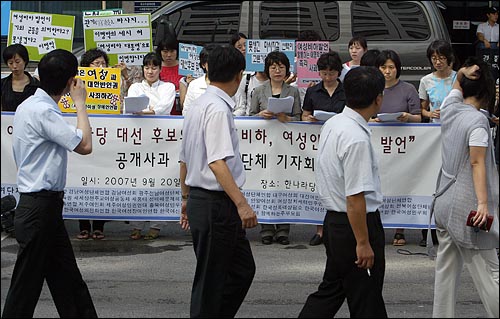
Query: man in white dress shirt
[487,32]
[41,140]
[213,205]
[349,188]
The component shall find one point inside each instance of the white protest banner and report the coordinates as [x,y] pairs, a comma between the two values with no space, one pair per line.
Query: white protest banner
[133,171]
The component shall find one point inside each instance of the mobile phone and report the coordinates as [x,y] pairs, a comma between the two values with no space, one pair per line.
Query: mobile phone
[486,226]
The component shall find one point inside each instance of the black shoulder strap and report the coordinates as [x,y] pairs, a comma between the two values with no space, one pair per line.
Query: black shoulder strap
[248,82]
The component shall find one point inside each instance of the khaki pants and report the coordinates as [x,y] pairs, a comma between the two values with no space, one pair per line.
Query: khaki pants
[482,266]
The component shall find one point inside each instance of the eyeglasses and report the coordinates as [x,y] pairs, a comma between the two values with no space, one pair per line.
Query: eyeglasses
[440,58]
[275,68]
[99,64]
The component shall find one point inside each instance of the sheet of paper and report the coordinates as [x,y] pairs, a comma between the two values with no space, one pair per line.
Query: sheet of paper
[389,117]
[133,104]
[323,115]
[280,105]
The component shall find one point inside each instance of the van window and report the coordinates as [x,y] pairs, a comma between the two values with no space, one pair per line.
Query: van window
[207,23]
[392,20]
[286,19]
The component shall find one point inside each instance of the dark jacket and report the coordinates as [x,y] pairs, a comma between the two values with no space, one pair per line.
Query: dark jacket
[11,99]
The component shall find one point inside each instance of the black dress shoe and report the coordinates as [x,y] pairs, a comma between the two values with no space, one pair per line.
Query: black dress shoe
[267,240]
[283,240]
[316,240]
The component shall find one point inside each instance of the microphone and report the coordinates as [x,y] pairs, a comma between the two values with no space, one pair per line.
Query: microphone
[8,203]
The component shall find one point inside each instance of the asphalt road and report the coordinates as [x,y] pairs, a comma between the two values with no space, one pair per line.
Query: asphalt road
[152,279]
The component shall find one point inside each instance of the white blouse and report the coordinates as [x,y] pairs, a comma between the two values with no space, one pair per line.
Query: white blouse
[161,95]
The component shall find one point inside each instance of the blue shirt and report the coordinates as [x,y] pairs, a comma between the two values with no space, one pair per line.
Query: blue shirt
[40,141]
[209,134]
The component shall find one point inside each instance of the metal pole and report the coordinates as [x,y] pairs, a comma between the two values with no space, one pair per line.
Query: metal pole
[103,5]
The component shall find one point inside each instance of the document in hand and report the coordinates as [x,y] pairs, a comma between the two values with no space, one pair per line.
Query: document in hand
[323,115]
[280,105]
[389,117]
[134,104]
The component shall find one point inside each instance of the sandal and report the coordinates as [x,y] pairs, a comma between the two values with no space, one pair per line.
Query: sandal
[399,239]
[136,234]
[152,234]
[84,234]
[98,235]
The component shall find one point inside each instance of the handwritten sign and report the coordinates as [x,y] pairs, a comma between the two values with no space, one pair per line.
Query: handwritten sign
[189,60]
[124,37]
[41,33]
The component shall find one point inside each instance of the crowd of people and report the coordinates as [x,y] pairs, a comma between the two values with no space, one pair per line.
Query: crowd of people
[215,209]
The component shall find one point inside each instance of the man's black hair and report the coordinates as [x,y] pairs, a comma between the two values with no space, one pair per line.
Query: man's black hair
[55,69]
[362,85]
[225,62]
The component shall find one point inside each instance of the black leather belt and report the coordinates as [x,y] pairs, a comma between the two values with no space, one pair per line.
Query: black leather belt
[46,194]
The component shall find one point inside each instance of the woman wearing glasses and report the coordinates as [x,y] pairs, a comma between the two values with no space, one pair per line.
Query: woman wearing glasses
[93,58]
[435,86]
[277,69]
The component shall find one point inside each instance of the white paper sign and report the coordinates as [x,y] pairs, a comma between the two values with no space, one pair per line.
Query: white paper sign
[280,105]
[134,104]
[323,115]
[389,117]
